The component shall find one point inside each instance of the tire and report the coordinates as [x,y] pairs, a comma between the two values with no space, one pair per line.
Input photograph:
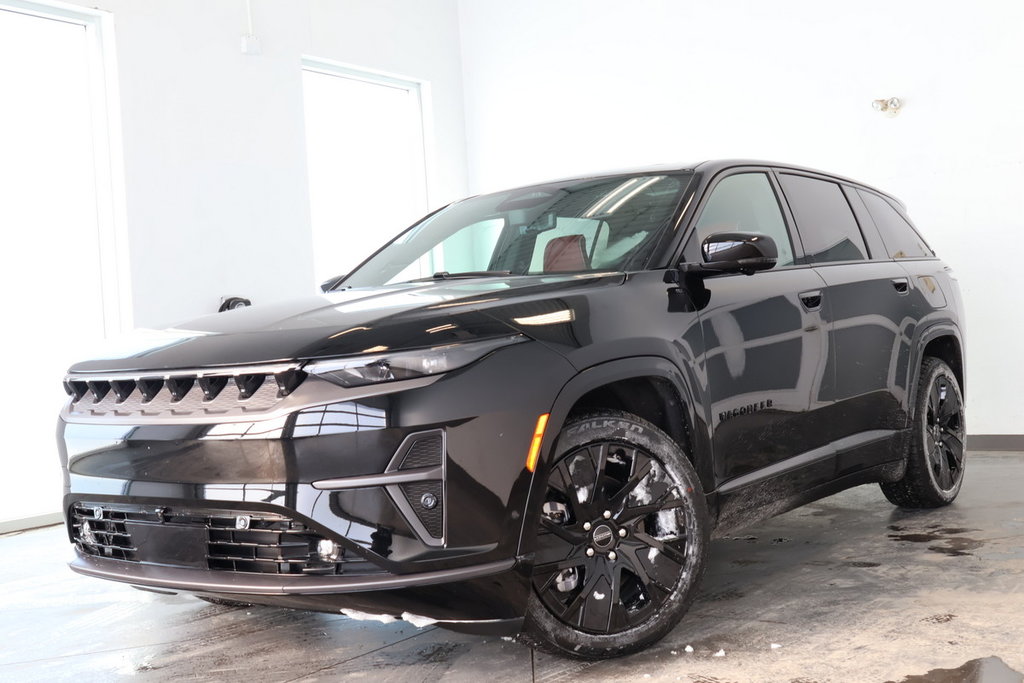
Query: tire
[936,455]
[622,488]
[223,602]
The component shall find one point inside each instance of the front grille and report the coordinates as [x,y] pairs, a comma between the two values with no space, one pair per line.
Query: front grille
[225,540]
[252,390]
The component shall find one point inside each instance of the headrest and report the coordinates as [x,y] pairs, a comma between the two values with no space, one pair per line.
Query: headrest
[566,254]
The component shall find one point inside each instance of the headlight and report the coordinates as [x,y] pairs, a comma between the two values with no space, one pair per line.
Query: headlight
[386,367]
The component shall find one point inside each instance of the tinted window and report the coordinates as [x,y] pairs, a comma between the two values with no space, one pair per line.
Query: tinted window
[743,203]
[901,240]
[827,228]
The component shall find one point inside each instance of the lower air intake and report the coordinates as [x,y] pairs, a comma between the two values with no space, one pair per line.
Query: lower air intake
[225,540]
[423,450]
[426,501]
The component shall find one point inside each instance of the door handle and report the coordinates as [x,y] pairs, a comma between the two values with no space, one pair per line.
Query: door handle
[901,284]
[811,300]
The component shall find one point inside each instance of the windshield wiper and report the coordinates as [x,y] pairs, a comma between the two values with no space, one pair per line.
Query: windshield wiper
[445,275]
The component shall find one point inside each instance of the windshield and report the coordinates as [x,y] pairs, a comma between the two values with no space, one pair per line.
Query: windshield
[599,224]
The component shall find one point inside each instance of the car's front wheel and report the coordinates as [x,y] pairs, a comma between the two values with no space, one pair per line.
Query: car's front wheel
[622,539]
[936,453]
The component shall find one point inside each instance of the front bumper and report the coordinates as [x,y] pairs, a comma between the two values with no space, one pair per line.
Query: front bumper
[478,599]
[231,583]
[436,537]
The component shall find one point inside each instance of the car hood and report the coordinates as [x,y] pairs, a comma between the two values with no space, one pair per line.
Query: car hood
[346,322]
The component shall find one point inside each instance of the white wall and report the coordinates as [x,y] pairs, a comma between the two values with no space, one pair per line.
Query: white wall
[214,148]
[556,88]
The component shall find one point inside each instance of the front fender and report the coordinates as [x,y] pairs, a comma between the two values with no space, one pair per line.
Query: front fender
[601,375]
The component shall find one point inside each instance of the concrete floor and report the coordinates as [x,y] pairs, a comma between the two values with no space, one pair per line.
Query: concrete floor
[846,589]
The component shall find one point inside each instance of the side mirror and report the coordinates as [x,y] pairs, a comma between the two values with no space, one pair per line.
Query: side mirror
[738,252]
[229,303]
[728,252]
[328,285]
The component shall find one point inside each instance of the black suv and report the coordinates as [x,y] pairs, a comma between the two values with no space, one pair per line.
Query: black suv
[529,412]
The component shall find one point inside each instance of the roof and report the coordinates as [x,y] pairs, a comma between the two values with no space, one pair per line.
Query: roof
[713,166]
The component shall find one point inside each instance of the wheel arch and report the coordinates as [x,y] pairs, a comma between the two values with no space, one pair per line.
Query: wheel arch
[942,341]
[651,387]
[947,349]
[652,397]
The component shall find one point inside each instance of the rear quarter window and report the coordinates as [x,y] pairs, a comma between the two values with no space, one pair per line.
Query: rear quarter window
[900,238]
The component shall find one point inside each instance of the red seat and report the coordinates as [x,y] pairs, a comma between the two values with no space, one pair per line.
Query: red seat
[566,254]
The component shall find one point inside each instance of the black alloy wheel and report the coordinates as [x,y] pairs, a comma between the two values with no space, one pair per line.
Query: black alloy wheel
[621,541]
[936,453]
[944,433]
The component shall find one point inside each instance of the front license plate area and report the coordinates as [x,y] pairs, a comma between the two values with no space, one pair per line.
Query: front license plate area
[179,546]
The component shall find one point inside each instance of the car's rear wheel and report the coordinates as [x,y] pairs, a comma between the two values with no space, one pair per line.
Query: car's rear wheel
[936,454]
[622,539]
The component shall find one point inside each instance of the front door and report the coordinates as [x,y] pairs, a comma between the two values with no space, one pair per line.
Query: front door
[765,346]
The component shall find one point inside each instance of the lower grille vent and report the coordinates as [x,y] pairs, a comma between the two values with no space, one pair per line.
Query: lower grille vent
[226,540]
[104,535]
[425,451]
[425,498]
[422,454]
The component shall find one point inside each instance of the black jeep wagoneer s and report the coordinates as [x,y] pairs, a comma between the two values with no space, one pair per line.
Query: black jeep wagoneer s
[528,412]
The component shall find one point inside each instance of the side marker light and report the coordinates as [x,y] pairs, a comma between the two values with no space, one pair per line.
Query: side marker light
[538,435]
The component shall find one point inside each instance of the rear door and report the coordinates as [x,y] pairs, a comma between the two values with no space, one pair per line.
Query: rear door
[930,288]
[870,319]
[765,349]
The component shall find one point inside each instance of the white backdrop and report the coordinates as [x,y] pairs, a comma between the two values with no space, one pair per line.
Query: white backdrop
[557,88]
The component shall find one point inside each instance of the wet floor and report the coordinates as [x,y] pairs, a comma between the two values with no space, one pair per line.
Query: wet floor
[987,670]
[846,589]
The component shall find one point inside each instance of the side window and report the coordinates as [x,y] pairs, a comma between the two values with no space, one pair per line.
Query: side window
[742,203]
[824,219]
[901,240]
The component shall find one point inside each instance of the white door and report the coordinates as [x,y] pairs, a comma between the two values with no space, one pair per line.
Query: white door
[367,171]
[51,280]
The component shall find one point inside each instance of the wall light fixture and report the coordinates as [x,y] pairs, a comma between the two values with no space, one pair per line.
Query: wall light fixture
[890,106]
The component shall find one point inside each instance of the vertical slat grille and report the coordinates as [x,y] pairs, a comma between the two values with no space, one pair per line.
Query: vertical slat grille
[180,394]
